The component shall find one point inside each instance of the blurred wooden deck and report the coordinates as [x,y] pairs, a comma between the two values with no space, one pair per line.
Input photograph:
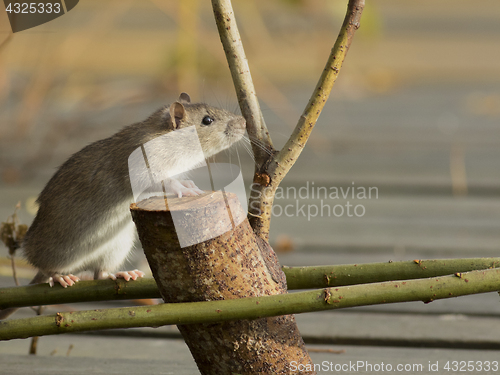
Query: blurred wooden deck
[386,143]
[415,114]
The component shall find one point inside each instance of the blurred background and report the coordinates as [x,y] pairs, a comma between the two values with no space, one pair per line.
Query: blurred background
[414,113]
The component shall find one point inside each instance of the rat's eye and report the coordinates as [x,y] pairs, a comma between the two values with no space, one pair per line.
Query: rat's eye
[207,120]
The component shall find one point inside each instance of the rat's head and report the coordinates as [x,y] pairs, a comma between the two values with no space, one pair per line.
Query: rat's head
[217,129]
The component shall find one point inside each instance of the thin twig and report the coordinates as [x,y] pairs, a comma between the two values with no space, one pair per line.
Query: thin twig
[14,271]
[333,351]
[12,234]
[34,339]
[242,79]
[33,345]
[6,40]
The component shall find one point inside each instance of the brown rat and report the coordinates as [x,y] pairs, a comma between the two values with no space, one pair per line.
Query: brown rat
[83,221]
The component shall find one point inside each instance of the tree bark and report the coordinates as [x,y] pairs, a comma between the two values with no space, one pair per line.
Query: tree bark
[233,265]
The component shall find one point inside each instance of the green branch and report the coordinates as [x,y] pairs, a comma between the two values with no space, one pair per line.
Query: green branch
[328,276]
[83,291]
[425,290]
[297,278]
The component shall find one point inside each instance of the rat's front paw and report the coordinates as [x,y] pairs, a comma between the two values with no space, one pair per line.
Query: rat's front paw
[182,188]
[64,280]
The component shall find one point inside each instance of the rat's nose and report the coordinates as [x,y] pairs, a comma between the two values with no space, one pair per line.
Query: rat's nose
[237,123]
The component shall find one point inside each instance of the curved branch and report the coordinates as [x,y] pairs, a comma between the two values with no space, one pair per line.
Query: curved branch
[292,149]
[268,178]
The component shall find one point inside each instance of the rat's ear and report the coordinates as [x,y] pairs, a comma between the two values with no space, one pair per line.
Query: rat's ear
[184,98]
[177,114]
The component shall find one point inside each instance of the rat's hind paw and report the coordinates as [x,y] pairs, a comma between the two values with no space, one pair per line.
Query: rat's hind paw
[64,280]
[126,275]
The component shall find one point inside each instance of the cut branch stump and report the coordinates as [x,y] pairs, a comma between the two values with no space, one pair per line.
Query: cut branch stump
[236,264]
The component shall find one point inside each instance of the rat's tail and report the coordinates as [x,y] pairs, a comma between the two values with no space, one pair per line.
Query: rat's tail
[39,278]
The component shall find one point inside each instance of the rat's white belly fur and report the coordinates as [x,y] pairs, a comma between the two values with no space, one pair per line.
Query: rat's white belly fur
[108,247]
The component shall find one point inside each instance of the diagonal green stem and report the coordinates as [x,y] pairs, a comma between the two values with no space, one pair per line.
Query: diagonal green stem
[425,290]
[268,178]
